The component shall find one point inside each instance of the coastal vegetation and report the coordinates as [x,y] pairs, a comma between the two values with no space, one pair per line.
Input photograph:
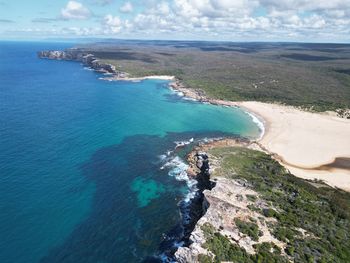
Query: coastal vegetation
[310,218]
[225,250]
[310,76]
[249,228]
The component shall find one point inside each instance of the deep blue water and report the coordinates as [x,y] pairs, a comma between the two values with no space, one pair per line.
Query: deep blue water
[80,159]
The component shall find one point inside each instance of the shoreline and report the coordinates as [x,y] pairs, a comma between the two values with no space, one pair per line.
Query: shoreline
[308,144]
[160,77]
[289,135]
[195,95]
[277,124]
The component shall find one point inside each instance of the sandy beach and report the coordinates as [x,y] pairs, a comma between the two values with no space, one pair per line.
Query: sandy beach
[126,78]
[305,143]
[310,145]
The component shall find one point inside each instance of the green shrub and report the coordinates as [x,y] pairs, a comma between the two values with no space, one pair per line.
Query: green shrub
[249,228]
[269,212]
[224,250]
[204,258]
[251,198]
[323,212]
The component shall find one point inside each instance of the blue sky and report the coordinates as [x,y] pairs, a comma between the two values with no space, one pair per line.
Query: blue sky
[235,20]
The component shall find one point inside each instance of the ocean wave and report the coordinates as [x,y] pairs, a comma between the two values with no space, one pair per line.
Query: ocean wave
[178,169]
[259,123]
[105,79]
[177,92]
[189,98]
[183,143]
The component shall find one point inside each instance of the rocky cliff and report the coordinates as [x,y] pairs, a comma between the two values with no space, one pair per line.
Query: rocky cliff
[225,201]
[88,60]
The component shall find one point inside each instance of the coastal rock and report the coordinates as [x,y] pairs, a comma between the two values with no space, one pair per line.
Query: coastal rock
[224,202]
[198,205]
[59,54]
[343,113]
[88,60]
[227,201]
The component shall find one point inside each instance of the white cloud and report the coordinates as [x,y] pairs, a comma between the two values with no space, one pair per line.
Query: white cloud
[75,10]
[232,19]
[102,2]
[221,19]
[126,8]
[60,32]
[305,5]
[113,24]
[214,8]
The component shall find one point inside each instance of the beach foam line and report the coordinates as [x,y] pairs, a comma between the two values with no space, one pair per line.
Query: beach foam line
[258,122]
[160,77]
[136,79]
[163,77]
[188,98]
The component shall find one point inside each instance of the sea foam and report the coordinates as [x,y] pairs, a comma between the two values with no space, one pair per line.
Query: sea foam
[259,123]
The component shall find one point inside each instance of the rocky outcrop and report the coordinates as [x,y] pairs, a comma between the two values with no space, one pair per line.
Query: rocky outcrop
[343,113]
[228,200]
[203,177]
[222,203]
[88,60]
[198,205]
[61,55]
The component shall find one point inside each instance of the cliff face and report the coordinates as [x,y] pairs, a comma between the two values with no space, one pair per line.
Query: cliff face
[88,60]
[226,202]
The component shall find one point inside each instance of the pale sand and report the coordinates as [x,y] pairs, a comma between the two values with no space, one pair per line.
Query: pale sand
[301,141]
[161,77]
[304,141]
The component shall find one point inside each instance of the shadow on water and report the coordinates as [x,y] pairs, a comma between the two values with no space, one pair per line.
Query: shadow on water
[135,205]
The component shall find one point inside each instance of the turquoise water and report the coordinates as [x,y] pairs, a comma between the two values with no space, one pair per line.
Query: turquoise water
[80,159]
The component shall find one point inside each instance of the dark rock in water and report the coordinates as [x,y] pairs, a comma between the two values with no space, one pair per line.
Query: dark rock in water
[199,205]
[203,177]
[88,60]
[191,212]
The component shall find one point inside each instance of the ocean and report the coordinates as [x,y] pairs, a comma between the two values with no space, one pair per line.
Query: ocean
[88,168]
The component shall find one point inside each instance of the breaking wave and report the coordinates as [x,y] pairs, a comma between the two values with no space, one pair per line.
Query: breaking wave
[259,123]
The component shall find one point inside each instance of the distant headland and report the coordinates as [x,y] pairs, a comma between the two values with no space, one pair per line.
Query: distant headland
[88,60]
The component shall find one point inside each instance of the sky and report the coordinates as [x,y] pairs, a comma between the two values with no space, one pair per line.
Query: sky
[227,20]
